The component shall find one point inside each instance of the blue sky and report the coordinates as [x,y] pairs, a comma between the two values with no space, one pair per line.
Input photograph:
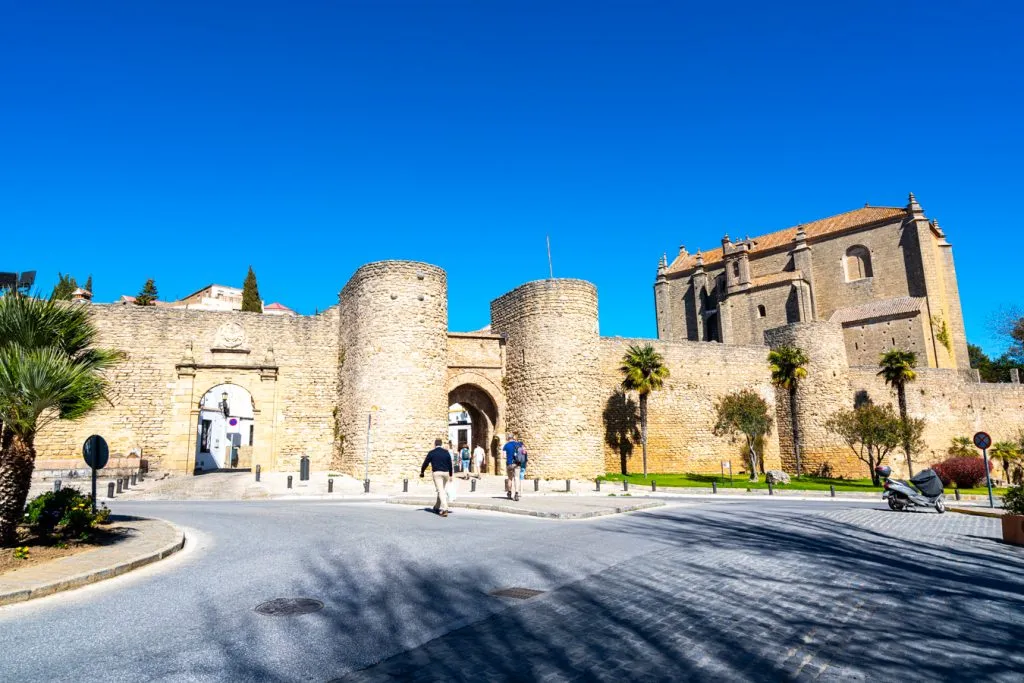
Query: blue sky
[185,141]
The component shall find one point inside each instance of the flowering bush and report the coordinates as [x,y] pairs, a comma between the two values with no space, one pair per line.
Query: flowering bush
[1013,501]
[964,472]
[67,510]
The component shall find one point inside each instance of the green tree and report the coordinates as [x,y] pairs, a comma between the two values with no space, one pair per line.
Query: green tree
[251,294]
[1008,452]
[64,288]
[997,370]
[747,413]
[870,431]
[148,295]
[88,284]
[643,371]
[49,370]
[897,368]
[787,366]
[961,446]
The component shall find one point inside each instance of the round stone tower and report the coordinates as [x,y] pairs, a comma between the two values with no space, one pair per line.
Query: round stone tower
[825,390]
[393,357]
[551,375]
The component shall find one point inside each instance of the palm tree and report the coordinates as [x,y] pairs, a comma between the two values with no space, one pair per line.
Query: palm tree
[1008,452]
[897,368]
[643,370]
[49,370]
[787,366]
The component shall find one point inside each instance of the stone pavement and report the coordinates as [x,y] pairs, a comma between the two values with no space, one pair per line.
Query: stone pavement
[838,595]
[547,506]
[145,541]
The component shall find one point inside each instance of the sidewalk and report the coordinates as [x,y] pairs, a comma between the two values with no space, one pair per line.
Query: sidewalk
[147,540]
[546,506]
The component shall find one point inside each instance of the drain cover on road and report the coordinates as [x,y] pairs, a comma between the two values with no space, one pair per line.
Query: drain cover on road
[518,593]
[286,607]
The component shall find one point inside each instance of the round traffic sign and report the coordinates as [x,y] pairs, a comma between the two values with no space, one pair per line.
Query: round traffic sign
[982,440]
[96,452]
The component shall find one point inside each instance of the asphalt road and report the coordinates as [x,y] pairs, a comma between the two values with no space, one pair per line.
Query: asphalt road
[742,590]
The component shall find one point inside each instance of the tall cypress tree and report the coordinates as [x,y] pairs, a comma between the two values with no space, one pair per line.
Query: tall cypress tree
[148,295]
[64,288]
[251,294]
[88,284]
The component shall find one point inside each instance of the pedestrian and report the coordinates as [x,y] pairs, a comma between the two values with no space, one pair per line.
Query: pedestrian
[478,458]
[512,459]
[440,462]
[522,465]
[465,460]
[452,452]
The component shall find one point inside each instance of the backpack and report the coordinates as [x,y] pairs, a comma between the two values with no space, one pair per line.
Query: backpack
[520,455]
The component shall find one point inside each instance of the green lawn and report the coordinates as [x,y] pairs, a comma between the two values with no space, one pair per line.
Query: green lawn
[804,483]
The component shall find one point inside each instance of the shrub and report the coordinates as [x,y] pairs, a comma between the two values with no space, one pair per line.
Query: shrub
[964,472]
[67,509]
[1013,501]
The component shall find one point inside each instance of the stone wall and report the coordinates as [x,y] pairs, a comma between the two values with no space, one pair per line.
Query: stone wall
[393,356]
[173,356]
[551,374]
[681,416]
[867,340]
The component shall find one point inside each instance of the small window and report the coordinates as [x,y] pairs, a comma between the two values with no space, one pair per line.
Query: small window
[857,263]
[761,311]
[735,268]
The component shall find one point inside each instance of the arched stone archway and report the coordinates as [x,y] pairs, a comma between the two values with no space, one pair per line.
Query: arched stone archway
[484,415]
[226,428]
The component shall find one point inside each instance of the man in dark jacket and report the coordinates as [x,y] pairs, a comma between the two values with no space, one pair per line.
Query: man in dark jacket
[440,462]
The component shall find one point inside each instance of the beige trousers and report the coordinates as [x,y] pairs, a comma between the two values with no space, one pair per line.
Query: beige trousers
[512,483]
[440,482]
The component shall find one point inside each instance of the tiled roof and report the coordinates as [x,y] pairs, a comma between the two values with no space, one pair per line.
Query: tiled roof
[843,221]
[775,278]
[276,307]
[878,309]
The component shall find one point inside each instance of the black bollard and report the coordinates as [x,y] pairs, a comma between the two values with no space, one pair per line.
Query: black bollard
[625,485]
[771,491]
[126,481]
[832,490]
[598,482]
[472,486]
[110,490]
[405,486]
[536,483]
[56,486]
[119,486]
[956,492]
[330,485]
[568,485]
[257,472]
[714,487]
[289,481]
[366,485]
[654,486]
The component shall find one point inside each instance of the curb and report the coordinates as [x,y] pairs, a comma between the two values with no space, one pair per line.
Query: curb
[94,576]
[976,512]
[535,513]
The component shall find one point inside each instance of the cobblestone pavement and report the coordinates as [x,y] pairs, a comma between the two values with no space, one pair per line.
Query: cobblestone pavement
[742,594]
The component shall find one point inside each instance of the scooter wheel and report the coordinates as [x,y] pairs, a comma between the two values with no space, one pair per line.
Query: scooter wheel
[940,507]
[894,504]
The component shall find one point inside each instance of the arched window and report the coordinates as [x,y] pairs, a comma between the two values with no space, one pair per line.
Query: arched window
[858,263]
[735,268]
[761,311]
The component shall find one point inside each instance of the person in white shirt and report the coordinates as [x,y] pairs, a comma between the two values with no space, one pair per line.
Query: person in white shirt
[478,458]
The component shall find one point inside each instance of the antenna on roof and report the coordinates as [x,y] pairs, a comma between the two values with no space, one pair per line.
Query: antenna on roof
[551,270]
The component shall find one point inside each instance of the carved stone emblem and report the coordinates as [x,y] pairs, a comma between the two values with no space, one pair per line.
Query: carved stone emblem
[230,336]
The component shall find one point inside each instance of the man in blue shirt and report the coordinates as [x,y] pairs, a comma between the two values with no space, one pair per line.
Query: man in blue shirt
[511,450]
[440,461]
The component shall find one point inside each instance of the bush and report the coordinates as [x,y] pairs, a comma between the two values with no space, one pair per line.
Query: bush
[67,509]
[964,472]
[1013,501]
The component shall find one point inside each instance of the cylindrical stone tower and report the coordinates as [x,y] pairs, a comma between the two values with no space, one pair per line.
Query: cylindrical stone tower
[825,390]
[393,359]
[551,375]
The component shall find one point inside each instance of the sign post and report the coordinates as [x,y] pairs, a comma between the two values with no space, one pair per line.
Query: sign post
[983,441]
[96,454]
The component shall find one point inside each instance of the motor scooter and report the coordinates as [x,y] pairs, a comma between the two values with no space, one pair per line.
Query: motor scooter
[924,490]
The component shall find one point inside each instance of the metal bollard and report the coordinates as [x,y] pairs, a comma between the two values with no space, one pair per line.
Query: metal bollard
[366,485]
[956,491]
[289,481]
[714,487]
[257,472]
[832,490]
[135,478]
[536,483]
[472,486]
[110,490]
[119,486]
[568,485]
[625,485]
[654,486]
[771,491]
[56,486]
[330,485]
[598,482]
[405,486]
[126,481]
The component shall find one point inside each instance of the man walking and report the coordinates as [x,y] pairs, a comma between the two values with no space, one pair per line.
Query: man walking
[512,462]
[478,458]
[440,461]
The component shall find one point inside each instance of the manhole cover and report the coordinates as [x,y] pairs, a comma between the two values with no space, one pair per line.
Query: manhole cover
[286,607]
[518,593]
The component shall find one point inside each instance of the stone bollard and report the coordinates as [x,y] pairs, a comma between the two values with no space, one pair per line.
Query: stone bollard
[405,486]
[472,486]
[832,490]
[56,486]
[366,485]
[289,481]
[654,486]
[598,482]
[536,484]
[110,490]
[568,485]
[330,485]
[257,472]
[956,492]
[771,491]
[119,486]
[714,487]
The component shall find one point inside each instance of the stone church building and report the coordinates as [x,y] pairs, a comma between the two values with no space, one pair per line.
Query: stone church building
[372,379]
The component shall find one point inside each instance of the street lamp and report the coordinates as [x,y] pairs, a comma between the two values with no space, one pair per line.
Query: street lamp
[224,404]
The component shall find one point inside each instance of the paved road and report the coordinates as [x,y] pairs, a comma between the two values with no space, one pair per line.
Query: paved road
[738,591]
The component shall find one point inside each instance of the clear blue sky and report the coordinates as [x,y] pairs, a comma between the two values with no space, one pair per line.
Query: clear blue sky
[186,141]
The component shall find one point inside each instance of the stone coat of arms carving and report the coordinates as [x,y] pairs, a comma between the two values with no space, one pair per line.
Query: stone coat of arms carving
[229,336]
